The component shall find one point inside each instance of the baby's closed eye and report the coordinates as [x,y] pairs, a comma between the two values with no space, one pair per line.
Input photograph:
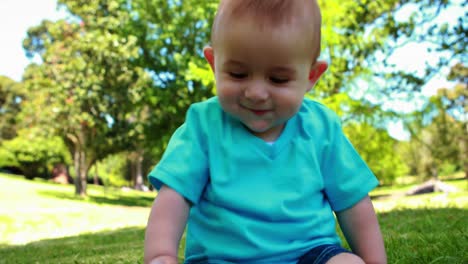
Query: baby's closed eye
[238,75]
[279,80]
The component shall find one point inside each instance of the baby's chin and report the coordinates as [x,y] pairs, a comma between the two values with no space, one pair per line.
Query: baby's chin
[266,130]
[258,128]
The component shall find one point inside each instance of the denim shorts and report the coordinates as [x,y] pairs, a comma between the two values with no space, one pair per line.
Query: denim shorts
[321,254]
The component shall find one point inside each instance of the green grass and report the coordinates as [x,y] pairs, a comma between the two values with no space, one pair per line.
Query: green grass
[120,246]
[41,222]
[428,228]
[34,210]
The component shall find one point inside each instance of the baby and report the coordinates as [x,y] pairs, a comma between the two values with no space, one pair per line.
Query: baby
[258,173]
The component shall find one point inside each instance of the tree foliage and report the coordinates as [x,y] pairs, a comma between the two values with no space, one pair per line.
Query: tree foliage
[87,86]
[441,127]
[171,36]
[110,77]
[34,154]
[444,42]
[378,149]
[11,95]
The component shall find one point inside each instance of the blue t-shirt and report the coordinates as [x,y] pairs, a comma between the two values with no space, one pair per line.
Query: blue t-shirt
[258,203]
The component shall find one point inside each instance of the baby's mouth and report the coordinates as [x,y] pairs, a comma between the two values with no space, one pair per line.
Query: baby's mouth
[258,112]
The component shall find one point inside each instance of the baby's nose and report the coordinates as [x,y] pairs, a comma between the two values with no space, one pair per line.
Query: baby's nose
[256,91]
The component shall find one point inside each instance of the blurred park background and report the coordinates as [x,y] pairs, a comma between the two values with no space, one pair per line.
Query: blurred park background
[108,81]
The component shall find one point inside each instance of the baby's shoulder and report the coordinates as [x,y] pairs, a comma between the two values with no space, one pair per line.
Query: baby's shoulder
[206,110]
[205,105]
[316,112]
[206,116]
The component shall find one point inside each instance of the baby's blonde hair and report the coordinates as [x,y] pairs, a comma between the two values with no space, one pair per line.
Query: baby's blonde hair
[275,13]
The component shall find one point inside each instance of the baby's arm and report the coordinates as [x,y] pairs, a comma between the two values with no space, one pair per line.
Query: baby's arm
[361,229]
[165,227]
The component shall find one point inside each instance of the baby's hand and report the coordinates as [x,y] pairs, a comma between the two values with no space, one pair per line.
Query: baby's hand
[164,260]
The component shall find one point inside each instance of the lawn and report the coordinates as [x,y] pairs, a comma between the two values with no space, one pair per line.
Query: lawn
[41,222]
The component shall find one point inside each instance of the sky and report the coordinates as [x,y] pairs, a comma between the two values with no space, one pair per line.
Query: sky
[16,16]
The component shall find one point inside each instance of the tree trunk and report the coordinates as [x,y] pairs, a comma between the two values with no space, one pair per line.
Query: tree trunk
[138,173]
[136,160]
[435,172]
[464,151]
[79,159]
[96,176]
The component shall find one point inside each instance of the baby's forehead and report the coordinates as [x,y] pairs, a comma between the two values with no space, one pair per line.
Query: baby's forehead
[243,44]
[270,13]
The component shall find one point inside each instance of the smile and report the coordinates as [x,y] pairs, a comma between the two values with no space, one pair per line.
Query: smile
[259,112]
[256,111]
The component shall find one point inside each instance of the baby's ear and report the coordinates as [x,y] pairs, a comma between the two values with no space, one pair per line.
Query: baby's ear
[317,70]
[209,56]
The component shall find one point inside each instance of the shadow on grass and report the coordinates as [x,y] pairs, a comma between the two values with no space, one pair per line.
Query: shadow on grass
[111,198]
[454,179]
[379,196]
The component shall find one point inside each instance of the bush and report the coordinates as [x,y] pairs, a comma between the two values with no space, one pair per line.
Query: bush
[7,158]
[34,155]
[378,150]
[448,168]
[112,170]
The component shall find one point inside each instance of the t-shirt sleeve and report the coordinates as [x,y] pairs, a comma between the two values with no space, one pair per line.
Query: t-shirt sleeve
[347,177]
[183,166]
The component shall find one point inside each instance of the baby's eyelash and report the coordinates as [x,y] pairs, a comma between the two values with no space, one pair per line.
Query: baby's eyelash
[238,75]
[279,80]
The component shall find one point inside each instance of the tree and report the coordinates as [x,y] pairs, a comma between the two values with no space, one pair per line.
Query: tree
[451,123]
[410,152]
[444,42]
[11,95]
[456,103]
[377,148]
[171,36]
[441,126]
[360,44]
[83,90]
[107,82]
